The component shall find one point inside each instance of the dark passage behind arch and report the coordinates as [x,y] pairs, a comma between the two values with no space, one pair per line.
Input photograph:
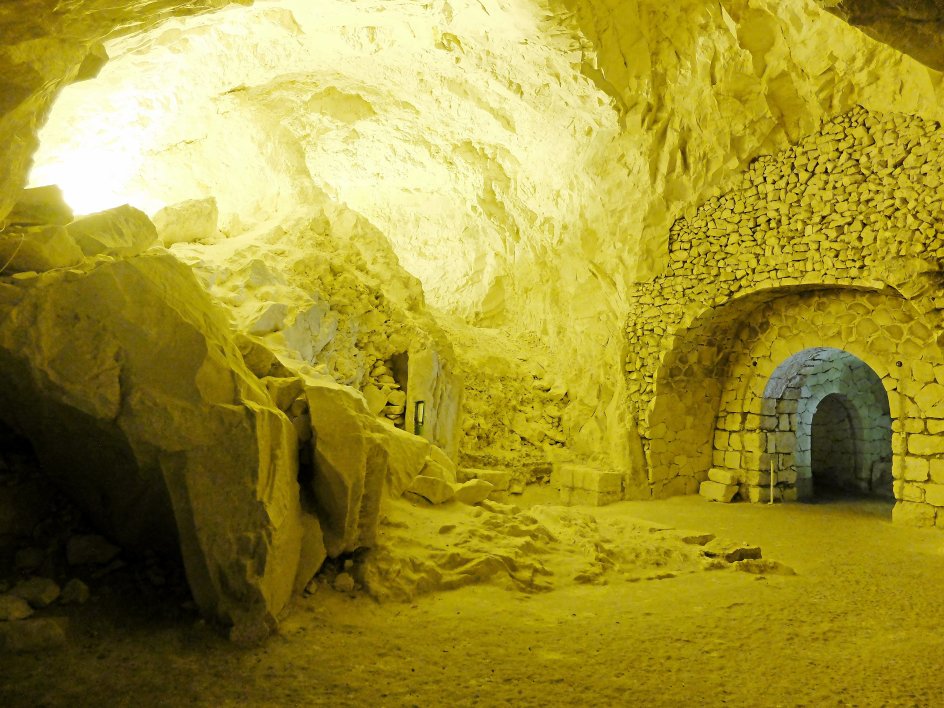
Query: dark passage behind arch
[835,455]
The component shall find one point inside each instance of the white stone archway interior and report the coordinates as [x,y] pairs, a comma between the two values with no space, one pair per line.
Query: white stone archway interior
[825,376]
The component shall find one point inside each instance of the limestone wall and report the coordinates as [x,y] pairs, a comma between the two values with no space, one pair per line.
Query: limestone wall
[840,235]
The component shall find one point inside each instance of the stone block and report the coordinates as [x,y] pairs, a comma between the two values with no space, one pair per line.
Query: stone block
[754,441]
[562,476]
[444,464]
[804,488]
[75,592]
[696,539]
[930,400]
[432,489]
[934,494]
[586,497]
[714,491]
[723,476]
[192,220]
[732,552]
[912,492]
[781,442]
[937,470]
[757,477]
[911,514]
[499,479]
[473,491]
[926,445]
[915,469]
[761,494]
[123,231]
[594,480]
[376,399]
[90,549]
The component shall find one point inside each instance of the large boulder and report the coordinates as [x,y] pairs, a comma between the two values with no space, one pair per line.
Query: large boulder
[406,456]
[126,379]
[358,462]
[350,465]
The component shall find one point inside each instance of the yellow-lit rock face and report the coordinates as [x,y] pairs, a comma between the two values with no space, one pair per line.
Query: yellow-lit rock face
[524,159]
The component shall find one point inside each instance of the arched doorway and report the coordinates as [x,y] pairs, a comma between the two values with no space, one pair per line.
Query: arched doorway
[826,417]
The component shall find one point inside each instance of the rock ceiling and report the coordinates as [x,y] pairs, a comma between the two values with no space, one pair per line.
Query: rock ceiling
[915,27]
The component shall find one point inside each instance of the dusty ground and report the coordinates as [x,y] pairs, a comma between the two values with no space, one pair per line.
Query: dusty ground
[861,624]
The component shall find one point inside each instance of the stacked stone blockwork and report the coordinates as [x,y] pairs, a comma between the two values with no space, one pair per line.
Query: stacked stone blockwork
[813,286]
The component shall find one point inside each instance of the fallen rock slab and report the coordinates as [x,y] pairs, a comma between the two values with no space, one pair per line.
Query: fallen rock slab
[757,566]
[432,489]
[473,491]
[499,479]
[192,220]
[350,465]
[122,231]
[732,552]
[697,539]
[406,456]
[715,491]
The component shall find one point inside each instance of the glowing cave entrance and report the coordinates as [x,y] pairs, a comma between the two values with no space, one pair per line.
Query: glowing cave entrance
[826,428]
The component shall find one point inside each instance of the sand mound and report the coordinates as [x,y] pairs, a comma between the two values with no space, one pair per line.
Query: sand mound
[424,549]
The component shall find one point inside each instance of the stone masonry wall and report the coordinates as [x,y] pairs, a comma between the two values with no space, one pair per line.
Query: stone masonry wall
[766,408]
[857,207]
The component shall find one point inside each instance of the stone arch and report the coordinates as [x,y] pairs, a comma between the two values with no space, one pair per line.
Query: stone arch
[795,394]
[882,330]
[677,426]
[716,365]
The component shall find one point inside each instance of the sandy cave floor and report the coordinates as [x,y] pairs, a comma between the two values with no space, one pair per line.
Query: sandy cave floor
[859,625]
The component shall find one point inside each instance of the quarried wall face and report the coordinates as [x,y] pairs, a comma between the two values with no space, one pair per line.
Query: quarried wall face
[830,250]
